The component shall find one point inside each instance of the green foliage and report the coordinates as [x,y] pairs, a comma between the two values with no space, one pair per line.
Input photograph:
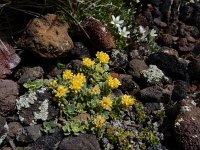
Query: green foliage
[48,127]
[149,137]
[36,84]
[140,113]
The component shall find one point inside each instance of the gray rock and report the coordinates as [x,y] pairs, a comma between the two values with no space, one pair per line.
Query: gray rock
[80,51]
[46,142]
[29,74]
[36,106]
[3,129]
[74,65]
[47,36]
[81,142]
[8,94]
[136,66]
[187,129]
[156,94]
[118,59]
[28,134]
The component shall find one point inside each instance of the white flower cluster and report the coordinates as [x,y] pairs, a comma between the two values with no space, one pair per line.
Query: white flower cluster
[145,32]
[43,114]
[118,24]
[24,101]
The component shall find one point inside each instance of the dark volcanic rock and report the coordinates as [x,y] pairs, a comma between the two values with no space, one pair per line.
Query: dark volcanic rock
[47,142]
[74,65]
[29,74]
[156,94]
[80,51]
[81,142]
[13,128]
[8,94]
[172,67]
[3,129]
[194,69]
[127,84]
[47,36]
[99,34]
[28,134]
[187,130]
[180,90]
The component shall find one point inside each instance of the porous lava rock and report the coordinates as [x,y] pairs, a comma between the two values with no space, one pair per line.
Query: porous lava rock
[98,33]
[8,94]
[47,36]
[187,129]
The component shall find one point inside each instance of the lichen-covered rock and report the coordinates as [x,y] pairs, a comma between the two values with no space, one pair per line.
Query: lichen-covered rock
[81,142]
[29,74]
[153,75]
[118,59]
[187,130]
[99,35]
[36,106]
[170,65]
[28,134]
[8,94]
[47,36]
[8,59]
[3,129]
[136,66]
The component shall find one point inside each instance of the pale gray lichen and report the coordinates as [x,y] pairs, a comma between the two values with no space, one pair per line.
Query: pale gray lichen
[153,75]
[43,114]
[24,101]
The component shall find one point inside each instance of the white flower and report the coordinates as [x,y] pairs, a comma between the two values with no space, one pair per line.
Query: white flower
[153,33]
[116,21]
[143,32]
[123,32]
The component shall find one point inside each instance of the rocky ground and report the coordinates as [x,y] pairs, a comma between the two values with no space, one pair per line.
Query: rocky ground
[167,80]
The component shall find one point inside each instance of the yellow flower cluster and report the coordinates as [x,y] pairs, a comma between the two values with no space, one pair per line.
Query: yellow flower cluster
[103,57]
[95,90]
[67,75]
[60,91]
[77,82]
[106,103]
[113,83]
[127,101]
[99,121]
[53,83]
[88,62]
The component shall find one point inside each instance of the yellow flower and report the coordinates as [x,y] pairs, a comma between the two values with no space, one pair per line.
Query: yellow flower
[99,121]
[77,82]
[113,83]
[61,91]
[103,57]
[106,103]
[67,74]
[127,101]
[88,62]
[95,90]
[53,83]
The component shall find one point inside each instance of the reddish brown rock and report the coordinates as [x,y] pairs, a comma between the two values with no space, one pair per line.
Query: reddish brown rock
[8,59]
[8,94]
[187,129]
[98,34]
[47,36]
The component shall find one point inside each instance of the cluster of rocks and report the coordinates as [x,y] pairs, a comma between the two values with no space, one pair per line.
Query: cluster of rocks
[168,78]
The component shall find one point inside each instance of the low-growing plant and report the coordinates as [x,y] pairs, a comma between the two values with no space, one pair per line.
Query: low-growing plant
[48,127]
